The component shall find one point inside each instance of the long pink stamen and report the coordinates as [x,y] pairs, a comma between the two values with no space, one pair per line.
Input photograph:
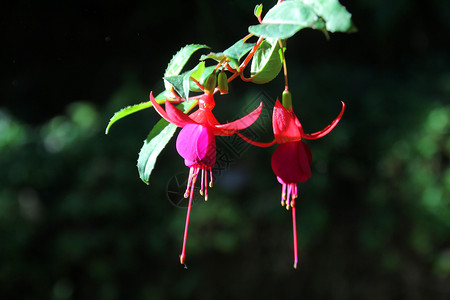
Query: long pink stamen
[210,178]
[288,197]
[283,194]
[206,184]
[191,172]
[202,181]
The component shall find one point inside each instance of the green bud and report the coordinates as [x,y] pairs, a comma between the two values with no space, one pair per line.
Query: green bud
[211,83]
[287,99]
[223,83]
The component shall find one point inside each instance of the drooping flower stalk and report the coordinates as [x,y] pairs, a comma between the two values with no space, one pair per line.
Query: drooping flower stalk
[292,158]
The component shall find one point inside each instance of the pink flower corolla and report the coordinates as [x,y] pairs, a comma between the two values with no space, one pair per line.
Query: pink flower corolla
[197,145]
[292,158]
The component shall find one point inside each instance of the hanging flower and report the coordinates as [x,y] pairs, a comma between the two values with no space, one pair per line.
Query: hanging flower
[197,145]
[292,158]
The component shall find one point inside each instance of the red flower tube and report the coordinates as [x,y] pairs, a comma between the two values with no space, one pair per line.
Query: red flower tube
[292,158]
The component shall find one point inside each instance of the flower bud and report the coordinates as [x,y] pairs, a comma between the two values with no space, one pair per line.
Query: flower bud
[287,99]
[211,83]
[223,83]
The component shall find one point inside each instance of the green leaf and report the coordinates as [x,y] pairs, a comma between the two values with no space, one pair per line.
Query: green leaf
[336,16]
[177,83]
[183,84]
[216,56]
[195,73]
[127,111]
[290,16]
[233,54]
[258,10]
[267,62]
[165,95]
[238,50]
[285,19]
[179,60]
[156,141]
[208,71]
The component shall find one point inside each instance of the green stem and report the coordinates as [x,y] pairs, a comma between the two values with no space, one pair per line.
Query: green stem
[286,85]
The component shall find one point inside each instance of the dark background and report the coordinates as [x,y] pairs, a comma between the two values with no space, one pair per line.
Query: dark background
[77,223]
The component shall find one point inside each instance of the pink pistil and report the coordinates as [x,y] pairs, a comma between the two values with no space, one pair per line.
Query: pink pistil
[288,196]
[193,174]
[294,227]
[192,179]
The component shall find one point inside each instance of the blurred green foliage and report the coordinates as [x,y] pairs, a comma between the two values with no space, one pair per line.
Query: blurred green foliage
[374,220]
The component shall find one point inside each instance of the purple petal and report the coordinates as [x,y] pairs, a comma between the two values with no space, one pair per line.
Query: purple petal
[197,145]
[206,147]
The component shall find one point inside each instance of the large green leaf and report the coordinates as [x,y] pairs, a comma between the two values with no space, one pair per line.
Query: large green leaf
[285,19]
[267,62]
[127,111]
[336,16]
[155,142]
[288,17]
[179,60]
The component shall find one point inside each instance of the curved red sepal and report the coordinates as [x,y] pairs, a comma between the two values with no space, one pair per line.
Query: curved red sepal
[326,130]
[171,114]
[158,108]
[255,143]
[178,117]
[242,123]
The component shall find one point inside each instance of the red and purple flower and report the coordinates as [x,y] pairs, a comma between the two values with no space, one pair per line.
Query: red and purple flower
[197,145]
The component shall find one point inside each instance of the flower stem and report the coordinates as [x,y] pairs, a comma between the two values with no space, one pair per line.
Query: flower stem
[286,86]
[247,60]
[197,83]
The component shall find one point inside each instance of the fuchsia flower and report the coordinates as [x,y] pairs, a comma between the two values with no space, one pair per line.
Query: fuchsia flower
[197,145]
[292,158]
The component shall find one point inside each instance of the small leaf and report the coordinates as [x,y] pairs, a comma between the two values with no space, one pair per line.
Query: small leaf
[198,70]
[208,71]
[238,50]
[156,141]
[267,62]
[179,60]
[127,111]
[233,54]
[258,10]
[216,56]
[195,73]
[177,83]
[183,84]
